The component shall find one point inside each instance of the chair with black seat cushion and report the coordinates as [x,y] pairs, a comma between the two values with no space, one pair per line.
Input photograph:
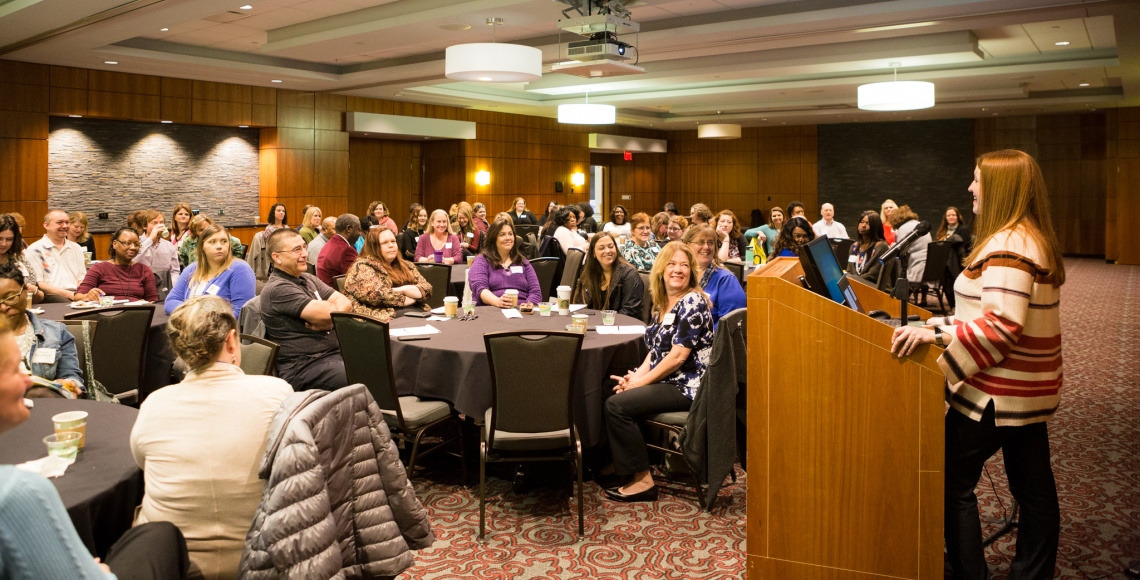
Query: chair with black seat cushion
[937,263]
[258,356]
[528,420]
[339,281]
[709,431]
[75,327]
[366,349]
[737,270]
[119,347]
[545,269]
[439,276]
[572,267]
[646,297]
[521,230]
[888,275]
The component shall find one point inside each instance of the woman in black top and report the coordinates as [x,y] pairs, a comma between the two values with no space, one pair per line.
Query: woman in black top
[607,281]
[550,209]
[519,213]
[864,260]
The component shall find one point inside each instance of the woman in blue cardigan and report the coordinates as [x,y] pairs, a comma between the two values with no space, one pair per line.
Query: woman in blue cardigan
[216,272]
[722,286]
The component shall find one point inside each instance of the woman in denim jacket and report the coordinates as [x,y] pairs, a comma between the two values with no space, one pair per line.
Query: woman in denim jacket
[46,347]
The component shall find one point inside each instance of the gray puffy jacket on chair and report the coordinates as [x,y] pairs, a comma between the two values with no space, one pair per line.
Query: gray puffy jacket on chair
[337,503]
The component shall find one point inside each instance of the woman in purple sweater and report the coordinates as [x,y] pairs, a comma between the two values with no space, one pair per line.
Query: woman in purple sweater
[500,267]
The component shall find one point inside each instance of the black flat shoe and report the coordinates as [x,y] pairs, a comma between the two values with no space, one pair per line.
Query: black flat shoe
[615,494]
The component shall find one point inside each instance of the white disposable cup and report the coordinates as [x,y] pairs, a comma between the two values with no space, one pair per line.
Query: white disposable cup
[450,306]
[563,300]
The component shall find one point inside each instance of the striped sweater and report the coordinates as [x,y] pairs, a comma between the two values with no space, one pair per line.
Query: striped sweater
[1006,333]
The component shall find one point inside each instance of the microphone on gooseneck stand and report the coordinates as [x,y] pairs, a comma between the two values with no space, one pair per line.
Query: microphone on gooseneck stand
[920,230]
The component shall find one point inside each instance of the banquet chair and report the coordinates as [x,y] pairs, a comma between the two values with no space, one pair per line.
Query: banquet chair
[366,349]
[249,319]
[258,356]
[737,270]
[522,230]
[521,426]
[937,262]
[75,327]
[119,348]
[710,446]
[439,276]
[889,273]
[573,265]
[545,269]
[163,284]
[646,297]
[339,281]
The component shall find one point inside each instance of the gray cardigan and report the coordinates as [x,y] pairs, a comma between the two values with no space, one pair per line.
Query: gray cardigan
[337,502]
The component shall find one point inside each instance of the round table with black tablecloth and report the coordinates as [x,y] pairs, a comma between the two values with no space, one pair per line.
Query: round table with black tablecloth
[159,358]
[104,485]
[452,365]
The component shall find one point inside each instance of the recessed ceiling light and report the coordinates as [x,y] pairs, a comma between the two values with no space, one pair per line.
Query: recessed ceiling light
[167,122]
[1061,43]
[164,29]
[455,27]
[110,62]
[276,81]
[76,116]
[246,7]
[1083,85]
[243,126]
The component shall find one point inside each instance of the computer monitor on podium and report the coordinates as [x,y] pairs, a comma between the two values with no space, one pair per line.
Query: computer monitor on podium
[823,274]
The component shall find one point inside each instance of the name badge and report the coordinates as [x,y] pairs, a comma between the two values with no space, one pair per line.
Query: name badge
[516,269]
[669,318]
[213,289]
[852,259]
[44,356]
[470,235]
[447,246]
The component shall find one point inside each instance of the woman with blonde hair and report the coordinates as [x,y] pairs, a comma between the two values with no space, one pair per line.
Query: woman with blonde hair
[439,239]
[1002,364]
[380,281]
[77,231]
[310,224]
[679,338]
[885,212]
[470,237]
[200,442]
[215,272]
[520,214]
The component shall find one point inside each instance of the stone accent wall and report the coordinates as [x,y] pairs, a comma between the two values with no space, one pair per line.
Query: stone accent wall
[97,165]
[924,164]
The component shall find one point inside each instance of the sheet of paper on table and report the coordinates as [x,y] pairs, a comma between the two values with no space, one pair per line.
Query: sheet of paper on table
[576,307]
[437,317]
[512,313]
[414,331]
[631,329]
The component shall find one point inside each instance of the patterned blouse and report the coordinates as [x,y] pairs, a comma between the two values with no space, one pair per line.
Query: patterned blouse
[369,289]
[641,258]
[690,325]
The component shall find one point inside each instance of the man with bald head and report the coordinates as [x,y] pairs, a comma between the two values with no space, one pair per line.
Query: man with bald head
[57,262]
[328,230]
[827,224]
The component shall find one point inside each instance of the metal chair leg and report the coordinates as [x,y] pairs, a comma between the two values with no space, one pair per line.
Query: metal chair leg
[482,489]
[578,468]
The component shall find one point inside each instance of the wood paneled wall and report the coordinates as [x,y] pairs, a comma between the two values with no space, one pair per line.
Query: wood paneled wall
[1071,150]
[384,170]
[642,180]
[23,143]
[766,167]
[1122,185]
[305,158]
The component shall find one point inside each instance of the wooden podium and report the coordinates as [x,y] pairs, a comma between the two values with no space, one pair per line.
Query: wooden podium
[845,440]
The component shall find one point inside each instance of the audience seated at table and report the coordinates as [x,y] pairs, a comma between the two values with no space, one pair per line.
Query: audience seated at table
[295,309]
[340,251]
[188,249]
[215,272]
[481,217]
[328,230]
[77,231]
[732,246]
[550,209]
[157,252]
[640,250]
[11,252]
[378,216]
[904,221]
[470,236]
[795,233]
[38,540]
[868,247]
[677,226]
[200,442]
[439,239]
[619,224]
[520,214]
[180,223]
[679,338]
[380,281]
[56,261]
[723,287]
[607,281]
[587,224]
[659,227]
[768,232]
[45,344]
[885,212]
[501,266]
[120,276]
[564,228]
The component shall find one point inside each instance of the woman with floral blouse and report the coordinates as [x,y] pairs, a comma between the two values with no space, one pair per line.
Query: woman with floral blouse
[380,281]
[679,338]
[640,250]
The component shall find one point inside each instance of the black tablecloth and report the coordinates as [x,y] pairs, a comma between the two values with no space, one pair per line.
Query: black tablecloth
[159,357]
[101,489]
[452,365]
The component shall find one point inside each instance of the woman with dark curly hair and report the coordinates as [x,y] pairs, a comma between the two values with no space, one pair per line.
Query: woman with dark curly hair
[795,233]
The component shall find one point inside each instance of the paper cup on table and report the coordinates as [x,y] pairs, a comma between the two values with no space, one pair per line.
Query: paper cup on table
[563,300]
[512,295]
[450,306]
[578,322]
[72,422]
[470,260]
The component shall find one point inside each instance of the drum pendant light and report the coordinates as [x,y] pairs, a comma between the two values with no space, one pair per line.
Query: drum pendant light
[896,95]
[492,61]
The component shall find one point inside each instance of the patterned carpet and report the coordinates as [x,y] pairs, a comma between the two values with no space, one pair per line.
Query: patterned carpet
[1096,458]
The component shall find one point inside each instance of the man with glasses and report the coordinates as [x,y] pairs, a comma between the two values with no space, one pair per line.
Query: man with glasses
[296,310]
[56,261]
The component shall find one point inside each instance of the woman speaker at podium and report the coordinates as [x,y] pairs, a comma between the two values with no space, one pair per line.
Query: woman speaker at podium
[1002,364]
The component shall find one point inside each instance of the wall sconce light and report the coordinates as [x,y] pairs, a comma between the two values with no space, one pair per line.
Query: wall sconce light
[578,178]
[483,177]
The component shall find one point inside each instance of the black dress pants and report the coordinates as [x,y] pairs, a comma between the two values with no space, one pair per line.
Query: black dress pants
[150,551]
[1025,449]
[625,411]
